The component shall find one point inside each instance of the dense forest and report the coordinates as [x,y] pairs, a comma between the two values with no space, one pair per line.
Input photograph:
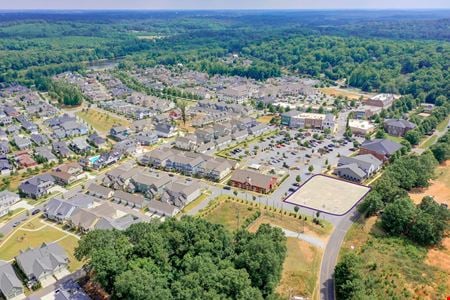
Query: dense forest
[402,52]
[186,259]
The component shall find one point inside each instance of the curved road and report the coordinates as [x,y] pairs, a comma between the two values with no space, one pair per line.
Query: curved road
[331,254]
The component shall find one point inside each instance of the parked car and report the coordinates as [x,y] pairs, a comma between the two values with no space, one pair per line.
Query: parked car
[35,212]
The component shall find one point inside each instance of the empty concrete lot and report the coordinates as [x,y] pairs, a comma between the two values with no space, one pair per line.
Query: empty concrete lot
[329,195]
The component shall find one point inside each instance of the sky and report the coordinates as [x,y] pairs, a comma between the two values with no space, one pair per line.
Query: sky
[223,4]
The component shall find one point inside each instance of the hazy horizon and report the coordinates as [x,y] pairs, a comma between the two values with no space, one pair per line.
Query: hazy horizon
[223,5]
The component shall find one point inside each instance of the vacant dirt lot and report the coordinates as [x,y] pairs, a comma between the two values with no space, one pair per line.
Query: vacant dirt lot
[300,269]
[350,94]
[439,187]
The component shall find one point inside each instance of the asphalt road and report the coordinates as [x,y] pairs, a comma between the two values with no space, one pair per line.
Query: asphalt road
[331,254]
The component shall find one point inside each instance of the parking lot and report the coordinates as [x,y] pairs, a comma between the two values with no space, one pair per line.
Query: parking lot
[295,151]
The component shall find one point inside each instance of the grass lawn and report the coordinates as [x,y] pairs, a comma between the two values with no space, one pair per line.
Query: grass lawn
[33,234]
[21,240]
[428,142]
[300,269]
[230,214]
[397,139]
[265,119]
[441,126]
[195,202]
[69,243]
[397,268]
[101,121]
[292,224]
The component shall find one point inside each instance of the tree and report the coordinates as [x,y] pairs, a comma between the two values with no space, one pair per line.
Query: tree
[372,204]
[398,215]
[413,137]
[183,259]
[441,151]
[262,255]
[380,134]
[181,105]
[298,178]
[348,277]
[310,168]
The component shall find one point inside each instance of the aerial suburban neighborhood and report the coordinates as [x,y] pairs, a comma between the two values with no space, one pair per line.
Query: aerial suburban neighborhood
[224,155]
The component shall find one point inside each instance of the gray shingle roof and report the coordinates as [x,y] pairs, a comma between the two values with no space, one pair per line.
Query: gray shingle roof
[382,146]
[46,258]
[8,279]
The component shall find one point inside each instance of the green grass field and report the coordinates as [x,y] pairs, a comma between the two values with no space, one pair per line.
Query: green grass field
[441,126]
[230,214]
[32,234]
[101,121]
[428,142]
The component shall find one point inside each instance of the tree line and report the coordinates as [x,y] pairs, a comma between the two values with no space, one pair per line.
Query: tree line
[184,259]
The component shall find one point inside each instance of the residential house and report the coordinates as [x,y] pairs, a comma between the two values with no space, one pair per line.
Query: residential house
[146,138]
[240,136]
[132,200]
[151,184]
[24,159]
[382,149]
[100,191]
[4,147]
[119,178]
[39,264]
[39,139]
[79,145]
[215,169]
[7,199]
[165,130]
[10,285]
[162,208]
[83,220]
[22,142]
[181,193]
[187,143]
[59,210]
[258,129]
[37,186]
[157,158]
[96,141]
[121,223]
[119,133]
[61,149]
[44,154]
[128,147]
[67,173]
[253,181]
[5,166]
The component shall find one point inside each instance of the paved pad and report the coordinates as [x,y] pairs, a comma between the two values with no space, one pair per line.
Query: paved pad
[328,195]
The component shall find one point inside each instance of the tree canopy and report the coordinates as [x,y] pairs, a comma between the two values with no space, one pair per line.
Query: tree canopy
[186,259]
